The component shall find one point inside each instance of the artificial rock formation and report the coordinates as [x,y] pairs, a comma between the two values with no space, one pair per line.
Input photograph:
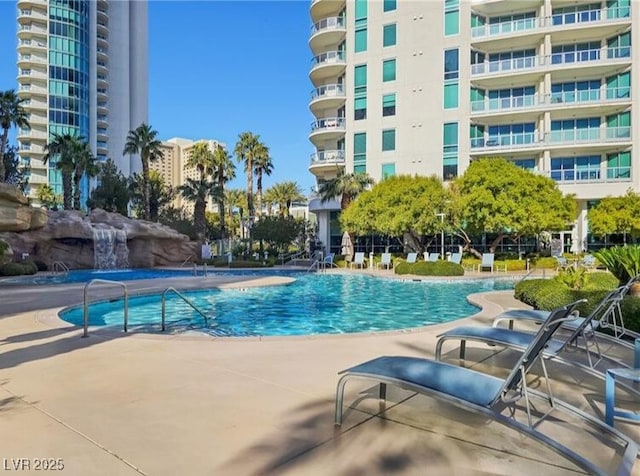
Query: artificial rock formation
[15,212]
[68,237]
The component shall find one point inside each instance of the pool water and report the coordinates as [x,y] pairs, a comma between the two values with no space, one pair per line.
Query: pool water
[313,304]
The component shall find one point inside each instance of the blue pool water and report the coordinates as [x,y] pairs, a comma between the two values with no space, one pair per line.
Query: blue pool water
[313,304]
[86,275]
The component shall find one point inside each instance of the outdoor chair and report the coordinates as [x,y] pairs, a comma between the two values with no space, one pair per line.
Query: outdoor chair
[412,257]
[385,261]
[562,263]
[456,258]
[358,260]
[433,257]
[487,262]
[328,260]
[588,262]
[488,394]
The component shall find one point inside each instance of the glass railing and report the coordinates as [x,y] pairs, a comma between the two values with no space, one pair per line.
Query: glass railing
[525,139]
[331,23]
[506,65]
[574,96]
[327,156]
[575,136]
[328,90]
[328,57]
[504,27]
[618,133]
[498,104]
[328,123]
[574,175]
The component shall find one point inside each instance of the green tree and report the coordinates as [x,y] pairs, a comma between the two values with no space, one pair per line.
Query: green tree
[247,149]
[400,206]
[278,232]
[201,159]
[346,186]
[15,174]
[262,165]
[223,171]
[112,192]
[84,164]
[284,194]
[160,194]
[496,196]
[46,196]
[143,141]
[11,114]
[197,191]
[235,199]
[616,215]
[63,147]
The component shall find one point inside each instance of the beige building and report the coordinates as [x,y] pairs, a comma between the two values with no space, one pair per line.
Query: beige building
[172,166]
[424,87]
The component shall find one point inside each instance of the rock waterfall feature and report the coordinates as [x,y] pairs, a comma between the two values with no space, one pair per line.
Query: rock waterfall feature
[110,249]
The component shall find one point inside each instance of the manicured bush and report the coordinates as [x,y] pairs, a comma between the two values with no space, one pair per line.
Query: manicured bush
[631,312]
[544,262]
[17,269]
[41,265]
[428,268]
[3,246]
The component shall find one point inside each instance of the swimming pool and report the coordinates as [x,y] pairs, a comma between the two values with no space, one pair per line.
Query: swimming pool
[86,275]
[313,304]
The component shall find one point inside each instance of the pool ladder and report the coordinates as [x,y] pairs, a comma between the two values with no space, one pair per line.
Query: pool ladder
[185,299]
[85,332]
[59,267]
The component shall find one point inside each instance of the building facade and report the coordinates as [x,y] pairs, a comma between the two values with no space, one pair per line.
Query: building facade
[83,70]
[425,87]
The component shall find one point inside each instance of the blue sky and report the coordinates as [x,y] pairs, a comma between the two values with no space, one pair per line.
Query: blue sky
[219,68]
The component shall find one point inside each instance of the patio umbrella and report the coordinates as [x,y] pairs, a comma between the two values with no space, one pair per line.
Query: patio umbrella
[347,246]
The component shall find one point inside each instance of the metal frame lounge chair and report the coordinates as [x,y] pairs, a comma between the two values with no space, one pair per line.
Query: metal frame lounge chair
[487,394]
[487,261]
[562,263]
[385,261]
[456,258]
[328,260]
[412,257]
[588,262]
[433,257]
[358,260]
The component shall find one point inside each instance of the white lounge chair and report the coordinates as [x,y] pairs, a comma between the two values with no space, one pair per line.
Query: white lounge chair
[456,258]
[487,261]
[412,257]
[433,257]
[385,261]
[358,260]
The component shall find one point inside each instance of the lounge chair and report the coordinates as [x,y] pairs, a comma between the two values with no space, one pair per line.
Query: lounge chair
[588,262]
[434,257]
[562,263]
[486,394]
[412,257]
[487,261]
[385,261]
[328,260]
[456,258]
[358,260]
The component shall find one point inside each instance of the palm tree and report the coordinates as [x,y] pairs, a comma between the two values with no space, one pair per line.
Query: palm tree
[223,171]
[201,159]
[348,186]
[270,199]
[197,191]
[84,163]
[234,199]
[143,141]
[284,194]
[11,114]
[247,149]
[63,147]
[262,165]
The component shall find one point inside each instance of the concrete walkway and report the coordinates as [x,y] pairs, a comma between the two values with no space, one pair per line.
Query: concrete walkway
[190,404]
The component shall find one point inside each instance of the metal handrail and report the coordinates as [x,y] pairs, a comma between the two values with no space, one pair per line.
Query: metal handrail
[59,264]
[315,264]
[186,260]
[185,299]
[86,303]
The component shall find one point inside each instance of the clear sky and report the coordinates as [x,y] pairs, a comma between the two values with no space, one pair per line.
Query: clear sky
[218,68]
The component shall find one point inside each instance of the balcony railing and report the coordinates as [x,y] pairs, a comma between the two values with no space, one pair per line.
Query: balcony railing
[582,175]
[506,65]
[513,102]
[510,141]
[332,23]
[328,123]
[328,58]
[327,156]
[558,20]
[328,90]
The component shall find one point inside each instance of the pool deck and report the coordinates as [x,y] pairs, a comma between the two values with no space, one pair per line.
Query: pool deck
[190,404]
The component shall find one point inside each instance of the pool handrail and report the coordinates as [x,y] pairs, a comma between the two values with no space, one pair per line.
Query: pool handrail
[185,299]
[85,332]
[59,266]
[186,260]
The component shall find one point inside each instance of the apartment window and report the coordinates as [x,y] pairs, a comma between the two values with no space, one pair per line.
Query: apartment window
[451,95]
[569,169]
[476,135]
[619,86]
[618,8]
[570,130]
[360,108]
[451,64]
[576,14]
[389,5]
[389,104]
[450,150]
[389,35]
[575,91]
[451,17]
[619,126]
[619,165]
[511,134]
[389,70]
[361,39]
[527,164]
[619,46]
[575,52]
[508,60]
[388,170]
[360,79]
[359,152]
[359,169]
[388,140]
[360,11]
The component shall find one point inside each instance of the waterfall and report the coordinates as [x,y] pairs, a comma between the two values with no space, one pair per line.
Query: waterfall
[110,249]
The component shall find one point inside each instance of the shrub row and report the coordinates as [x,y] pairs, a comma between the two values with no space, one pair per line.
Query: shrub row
[428,268]
[18,269]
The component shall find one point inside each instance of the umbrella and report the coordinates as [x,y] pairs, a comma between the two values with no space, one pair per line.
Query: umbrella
[347,246]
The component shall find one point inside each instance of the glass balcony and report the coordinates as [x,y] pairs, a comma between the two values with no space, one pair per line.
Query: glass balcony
[505,66]
[508,141]
[330,57]
[331,157]
[592,135]
[333,23]
[504,28]
[328,123]
[504,104]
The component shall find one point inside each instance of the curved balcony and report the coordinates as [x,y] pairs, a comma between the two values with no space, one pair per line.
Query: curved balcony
[327,32]
[328,128]
[326,8]
[102,53]
[328,96]
[330,64]
[103,120]
[103,107]
[326,159]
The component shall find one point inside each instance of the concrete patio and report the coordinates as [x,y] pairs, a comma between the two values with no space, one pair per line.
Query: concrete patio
[191,404]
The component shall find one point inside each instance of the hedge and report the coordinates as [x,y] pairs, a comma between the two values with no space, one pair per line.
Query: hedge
[18,269]
[430,268]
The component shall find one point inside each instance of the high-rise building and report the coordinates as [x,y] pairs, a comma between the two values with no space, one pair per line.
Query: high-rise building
[425,87]
[83,70]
